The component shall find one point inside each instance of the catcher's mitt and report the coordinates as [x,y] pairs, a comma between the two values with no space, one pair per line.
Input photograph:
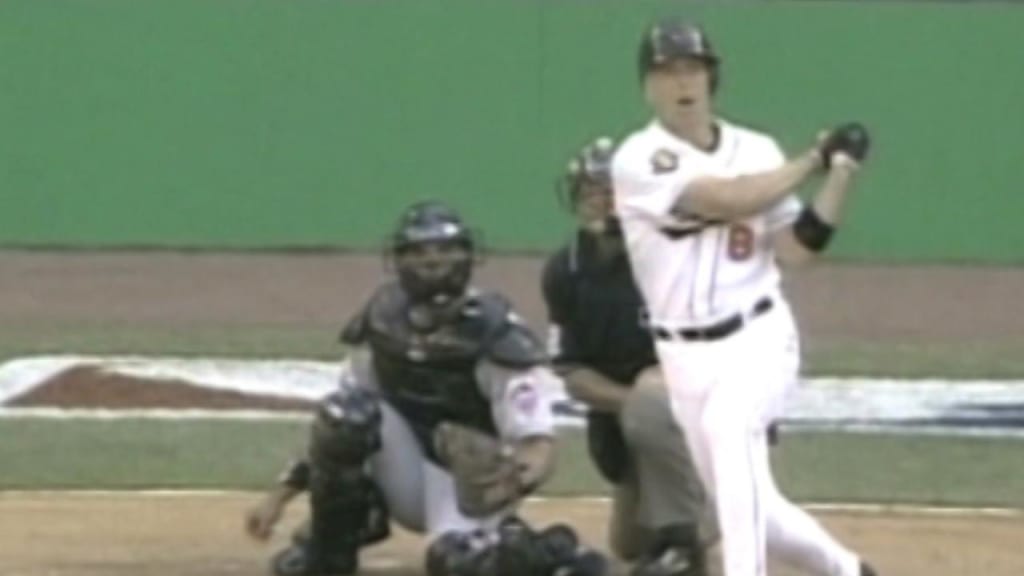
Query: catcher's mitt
[487,476]
[851,138]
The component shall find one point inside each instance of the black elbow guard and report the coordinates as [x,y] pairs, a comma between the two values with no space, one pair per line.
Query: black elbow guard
[811,231]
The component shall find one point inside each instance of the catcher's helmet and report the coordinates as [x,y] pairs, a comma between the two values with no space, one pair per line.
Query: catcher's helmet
[670,39]
[434,279]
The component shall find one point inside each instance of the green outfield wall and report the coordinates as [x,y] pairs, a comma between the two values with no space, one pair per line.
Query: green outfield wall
[231,123]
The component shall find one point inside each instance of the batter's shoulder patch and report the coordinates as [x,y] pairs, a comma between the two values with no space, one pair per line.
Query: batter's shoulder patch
[664,161]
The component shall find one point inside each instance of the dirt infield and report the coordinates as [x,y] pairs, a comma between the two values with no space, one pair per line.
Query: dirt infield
[90,387]
[200,535]
[835,303]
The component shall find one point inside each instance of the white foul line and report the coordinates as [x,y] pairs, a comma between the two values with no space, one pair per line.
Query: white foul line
[856,508]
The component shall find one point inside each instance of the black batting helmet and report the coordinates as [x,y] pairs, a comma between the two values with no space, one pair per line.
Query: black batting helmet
[432,222]
[671,39]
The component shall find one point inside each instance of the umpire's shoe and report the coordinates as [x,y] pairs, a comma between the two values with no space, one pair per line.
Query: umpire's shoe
[677,552]
[867,570]
[296,560]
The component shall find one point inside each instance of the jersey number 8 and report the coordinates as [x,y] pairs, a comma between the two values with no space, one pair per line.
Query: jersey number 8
[741,242]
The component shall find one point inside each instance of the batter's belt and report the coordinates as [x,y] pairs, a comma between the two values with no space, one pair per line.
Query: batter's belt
[716,331]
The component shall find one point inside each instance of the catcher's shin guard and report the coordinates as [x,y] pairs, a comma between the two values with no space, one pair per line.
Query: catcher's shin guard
[347,508]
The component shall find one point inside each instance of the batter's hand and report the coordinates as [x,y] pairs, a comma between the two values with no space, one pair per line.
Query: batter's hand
[843,161]
[850,139]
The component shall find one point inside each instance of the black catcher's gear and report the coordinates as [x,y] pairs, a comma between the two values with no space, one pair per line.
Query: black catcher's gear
[515,549]
[431,377]
[348,510]
[433,252]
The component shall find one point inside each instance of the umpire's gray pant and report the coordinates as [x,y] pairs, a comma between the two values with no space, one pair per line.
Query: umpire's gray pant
[661,487]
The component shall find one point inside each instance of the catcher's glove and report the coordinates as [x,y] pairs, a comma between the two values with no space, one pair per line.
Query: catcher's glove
[851,138]
[487,475]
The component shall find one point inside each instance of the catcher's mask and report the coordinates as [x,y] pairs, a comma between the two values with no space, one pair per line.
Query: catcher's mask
[586,187]
[433,253]
[672,39]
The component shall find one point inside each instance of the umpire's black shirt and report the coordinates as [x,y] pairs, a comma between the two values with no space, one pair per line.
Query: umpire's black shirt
[598,311]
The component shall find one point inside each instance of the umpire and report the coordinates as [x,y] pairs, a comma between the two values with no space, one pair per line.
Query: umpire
[605,355]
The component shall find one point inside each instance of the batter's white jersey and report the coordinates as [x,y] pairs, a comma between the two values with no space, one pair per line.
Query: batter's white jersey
[693,272]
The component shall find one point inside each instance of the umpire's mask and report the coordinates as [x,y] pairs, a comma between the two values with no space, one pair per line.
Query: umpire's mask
[587,187]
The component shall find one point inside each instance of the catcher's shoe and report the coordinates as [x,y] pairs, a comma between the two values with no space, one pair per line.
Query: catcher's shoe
[296,560]
[867,570]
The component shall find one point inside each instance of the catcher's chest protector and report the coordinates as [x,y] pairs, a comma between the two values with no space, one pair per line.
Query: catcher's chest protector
[431,378]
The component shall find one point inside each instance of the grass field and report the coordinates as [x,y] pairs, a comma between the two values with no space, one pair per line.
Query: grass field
[974,360]
[138,453]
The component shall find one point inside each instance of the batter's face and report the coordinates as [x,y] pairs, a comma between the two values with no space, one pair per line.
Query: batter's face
[680,93]
[593,205]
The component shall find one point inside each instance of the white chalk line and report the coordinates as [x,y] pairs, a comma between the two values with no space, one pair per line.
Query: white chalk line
[833,507]
[562,421]
[150,413]
[172,414]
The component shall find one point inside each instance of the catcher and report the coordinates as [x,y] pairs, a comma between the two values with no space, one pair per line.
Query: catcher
[603,350]
[442,422]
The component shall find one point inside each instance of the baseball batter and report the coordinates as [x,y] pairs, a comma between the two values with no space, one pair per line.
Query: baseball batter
[430,355]
[707,209]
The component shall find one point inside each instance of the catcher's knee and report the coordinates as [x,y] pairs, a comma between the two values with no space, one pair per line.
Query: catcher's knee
[346,429]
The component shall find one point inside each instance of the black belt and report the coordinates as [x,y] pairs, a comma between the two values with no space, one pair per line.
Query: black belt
[723,329]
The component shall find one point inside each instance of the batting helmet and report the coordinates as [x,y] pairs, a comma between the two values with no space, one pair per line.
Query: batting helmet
[672,39]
